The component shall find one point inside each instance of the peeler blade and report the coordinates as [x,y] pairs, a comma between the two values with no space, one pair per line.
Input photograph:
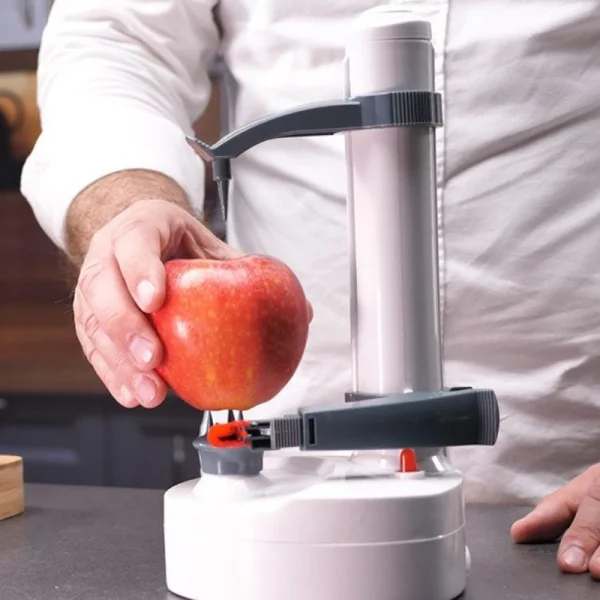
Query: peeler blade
[223,191]
[207,423]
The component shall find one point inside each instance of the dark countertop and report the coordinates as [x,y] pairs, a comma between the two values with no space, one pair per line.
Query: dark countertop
[85,543]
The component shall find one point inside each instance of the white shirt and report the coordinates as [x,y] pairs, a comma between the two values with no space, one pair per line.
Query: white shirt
[120,81]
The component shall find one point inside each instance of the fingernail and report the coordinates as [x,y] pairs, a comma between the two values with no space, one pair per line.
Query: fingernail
[146,389]
[141,350]
[574,557]
[145,293]
[126,397]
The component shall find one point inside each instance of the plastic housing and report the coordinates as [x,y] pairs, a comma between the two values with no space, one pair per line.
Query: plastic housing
[319,528]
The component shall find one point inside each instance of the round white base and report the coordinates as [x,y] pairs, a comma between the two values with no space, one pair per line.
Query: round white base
[308,529]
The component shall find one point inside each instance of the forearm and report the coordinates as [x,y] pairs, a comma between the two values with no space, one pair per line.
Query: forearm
[99,203]
[119,86]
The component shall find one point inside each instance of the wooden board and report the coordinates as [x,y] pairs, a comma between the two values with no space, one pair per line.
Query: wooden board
[12,495]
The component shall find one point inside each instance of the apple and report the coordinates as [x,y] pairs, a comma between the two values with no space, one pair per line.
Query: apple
[233,330]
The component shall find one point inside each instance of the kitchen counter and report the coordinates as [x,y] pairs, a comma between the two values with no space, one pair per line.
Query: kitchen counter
[88,543]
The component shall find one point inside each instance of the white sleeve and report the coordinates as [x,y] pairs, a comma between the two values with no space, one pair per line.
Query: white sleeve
[120,83]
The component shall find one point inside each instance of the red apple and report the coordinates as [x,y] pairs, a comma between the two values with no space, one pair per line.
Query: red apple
[233,331]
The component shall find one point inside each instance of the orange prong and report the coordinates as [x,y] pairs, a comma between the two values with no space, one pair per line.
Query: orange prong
[228,435]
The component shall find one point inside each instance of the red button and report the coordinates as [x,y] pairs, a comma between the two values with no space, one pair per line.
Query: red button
[408,461]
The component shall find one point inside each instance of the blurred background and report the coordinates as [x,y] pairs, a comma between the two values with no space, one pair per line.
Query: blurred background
[54,411]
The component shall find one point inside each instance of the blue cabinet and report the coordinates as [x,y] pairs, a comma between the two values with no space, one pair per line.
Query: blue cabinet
[91,440]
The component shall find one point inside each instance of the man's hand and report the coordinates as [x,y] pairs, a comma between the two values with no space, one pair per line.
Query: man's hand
[121,278]
[575,512]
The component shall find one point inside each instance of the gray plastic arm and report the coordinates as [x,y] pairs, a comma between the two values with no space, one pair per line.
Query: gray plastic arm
[415,420]
[388,109]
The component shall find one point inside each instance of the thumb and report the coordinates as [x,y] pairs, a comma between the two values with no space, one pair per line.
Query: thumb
[311,312]
[138,246]
[200,242]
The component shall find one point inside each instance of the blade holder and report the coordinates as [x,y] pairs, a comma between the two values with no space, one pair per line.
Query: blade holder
[403,108]
[241,460]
